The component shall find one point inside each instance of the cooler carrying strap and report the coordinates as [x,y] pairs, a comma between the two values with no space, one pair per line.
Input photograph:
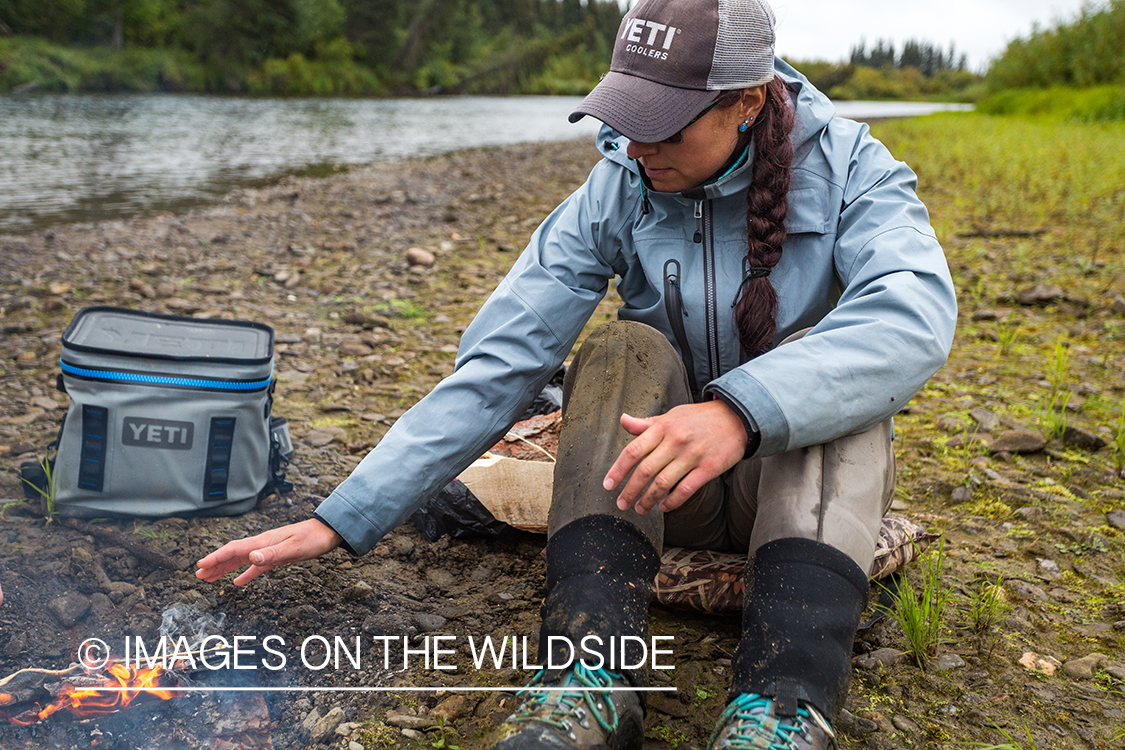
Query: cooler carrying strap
[95,427]
[218,459]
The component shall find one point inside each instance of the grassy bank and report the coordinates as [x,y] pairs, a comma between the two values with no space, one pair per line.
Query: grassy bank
[1095,104]
[37,64]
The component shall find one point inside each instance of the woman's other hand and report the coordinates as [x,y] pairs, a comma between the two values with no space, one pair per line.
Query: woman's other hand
[675,454]
[288,544]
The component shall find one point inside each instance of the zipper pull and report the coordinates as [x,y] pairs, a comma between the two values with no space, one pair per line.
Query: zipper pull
[698,238]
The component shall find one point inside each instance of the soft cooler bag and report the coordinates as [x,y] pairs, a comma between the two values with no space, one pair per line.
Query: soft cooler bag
[168,415]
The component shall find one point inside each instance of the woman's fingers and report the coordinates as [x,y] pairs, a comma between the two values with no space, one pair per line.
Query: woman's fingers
[293,543]
[647,439]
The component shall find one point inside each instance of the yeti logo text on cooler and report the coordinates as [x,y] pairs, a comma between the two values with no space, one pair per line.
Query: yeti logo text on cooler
[157,433]
[634,32]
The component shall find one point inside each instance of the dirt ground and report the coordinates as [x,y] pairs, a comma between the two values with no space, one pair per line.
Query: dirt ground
[363,334]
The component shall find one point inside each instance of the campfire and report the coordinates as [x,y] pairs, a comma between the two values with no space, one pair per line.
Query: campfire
[36,694]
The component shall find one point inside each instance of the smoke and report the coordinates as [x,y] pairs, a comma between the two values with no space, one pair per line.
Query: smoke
[188,620]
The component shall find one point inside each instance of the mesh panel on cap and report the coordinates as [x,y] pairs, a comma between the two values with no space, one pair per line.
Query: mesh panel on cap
[744,48]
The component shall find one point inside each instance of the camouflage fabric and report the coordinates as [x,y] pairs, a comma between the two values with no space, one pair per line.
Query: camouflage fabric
[711,582]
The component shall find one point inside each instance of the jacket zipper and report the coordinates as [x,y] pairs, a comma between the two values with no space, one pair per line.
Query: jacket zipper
[674,306]
[704,217]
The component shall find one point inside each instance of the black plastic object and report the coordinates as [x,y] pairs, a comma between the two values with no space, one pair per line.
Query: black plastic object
[549,399]
[457,512]
[34,479]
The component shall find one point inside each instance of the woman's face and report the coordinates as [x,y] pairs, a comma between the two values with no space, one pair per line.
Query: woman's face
[708,143]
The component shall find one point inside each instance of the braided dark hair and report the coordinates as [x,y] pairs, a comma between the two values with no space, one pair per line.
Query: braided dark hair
[767,207]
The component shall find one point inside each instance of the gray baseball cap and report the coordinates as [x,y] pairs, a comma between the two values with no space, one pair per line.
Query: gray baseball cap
[671,58]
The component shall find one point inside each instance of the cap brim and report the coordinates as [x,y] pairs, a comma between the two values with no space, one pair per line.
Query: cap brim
[640,109]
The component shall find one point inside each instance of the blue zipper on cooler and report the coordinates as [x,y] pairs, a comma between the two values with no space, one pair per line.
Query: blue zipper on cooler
[133,377]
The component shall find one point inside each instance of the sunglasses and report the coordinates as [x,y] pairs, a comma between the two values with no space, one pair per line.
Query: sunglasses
[678,136]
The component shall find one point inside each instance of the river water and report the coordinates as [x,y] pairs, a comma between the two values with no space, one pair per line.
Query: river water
[85,158]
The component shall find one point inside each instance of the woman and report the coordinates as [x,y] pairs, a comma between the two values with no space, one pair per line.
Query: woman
[784,296]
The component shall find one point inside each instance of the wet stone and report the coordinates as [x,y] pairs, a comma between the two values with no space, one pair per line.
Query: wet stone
[855,726]
[1084,668]
[961,494]
[1083,439]
[428,623]
[986,419]
[1027,591]
[1040,295]
[946,662]
[883,657]
[1116,519]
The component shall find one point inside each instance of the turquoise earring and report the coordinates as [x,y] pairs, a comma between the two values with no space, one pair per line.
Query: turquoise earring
[745,125]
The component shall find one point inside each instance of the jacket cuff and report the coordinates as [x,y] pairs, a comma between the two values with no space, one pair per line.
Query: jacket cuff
[737,389]
[753,434]
[344,543]
[360,535]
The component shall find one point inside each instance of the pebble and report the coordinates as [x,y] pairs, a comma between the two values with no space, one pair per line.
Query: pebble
[404,721]
[455,707]
[1027,591]
[416,256]
[904,724]
[961,494]
[358,591]
[883,657]
[1039,295]
[413,734]
[402,545]
[855,726]
[1018,441]
[1083,439]
[667,706]
[428,623]
[1039,663]
[69,608]
[1048,568]
[946,662]
[353,745]
[1084,668]
[440,577]
[482,574]
[950,424]
[322,436]
[981,315]
[1030,513]
[1116,519]
[326,726]
[1118,304]
[986,419]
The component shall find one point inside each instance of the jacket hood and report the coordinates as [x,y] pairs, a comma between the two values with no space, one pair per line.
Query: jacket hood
[813,111]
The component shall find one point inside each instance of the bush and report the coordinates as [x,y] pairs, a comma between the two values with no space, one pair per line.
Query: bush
[1096,104]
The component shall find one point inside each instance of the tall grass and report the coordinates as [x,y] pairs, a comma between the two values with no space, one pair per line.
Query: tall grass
[920,612]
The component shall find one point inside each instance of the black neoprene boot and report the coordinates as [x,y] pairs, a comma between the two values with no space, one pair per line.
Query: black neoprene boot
[802,605]
[600,571]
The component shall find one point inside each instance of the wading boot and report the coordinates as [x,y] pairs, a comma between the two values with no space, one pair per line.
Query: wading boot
[600,571]
[751,722]
[575,711]
[791,671]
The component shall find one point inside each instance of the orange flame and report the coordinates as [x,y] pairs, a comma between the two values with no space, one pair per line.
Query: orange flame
[91,701]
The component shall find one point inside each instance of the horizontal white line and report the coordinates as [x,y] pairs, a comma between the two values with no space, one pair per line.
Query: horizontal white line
[299,689]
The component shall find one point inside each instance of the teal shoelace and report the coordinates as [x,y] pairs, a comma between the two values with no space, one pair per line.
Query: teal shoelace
[564,704]
[757,729]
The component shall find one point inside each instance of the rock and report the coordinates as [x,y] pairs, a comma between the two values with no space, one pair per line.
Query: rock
[1118,304]
[413,734]
[1116,671]
[58,287]
[428,623]
[950,424]
[16,449]
[1018,441]
[404,721]
[26,418]
[1039,295]
[440,577]
[482,574]
[366,320]
[883,657]
[961,494]
[1084,668]
[945,662]
[346,728]
[322,436]
[358,591]
[1116,519]
[986,419]
[667,706]
[855,726]
[45,403]
[903,724]
[402,545]
[310,721]
[326,726]
[981,315]
[1030,513]
[1038,663]
[455,707]
[68,609]
[1049,569]
[353,745]
[120,589]
[416,256]
[1027,591]
[1083,439]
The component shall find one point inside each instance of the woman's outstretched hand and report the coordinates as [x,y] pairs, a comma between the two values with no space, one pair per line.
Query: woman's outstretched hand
[288,544]
[675,454]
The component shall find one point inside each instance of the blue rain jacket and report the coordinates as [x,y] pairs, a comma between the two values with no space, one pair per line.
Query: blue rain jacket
[861,267]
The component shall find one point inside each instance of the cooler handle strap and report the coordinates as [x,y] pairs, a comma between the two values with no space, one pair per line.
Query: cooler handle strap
[95,428]
[217,472]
